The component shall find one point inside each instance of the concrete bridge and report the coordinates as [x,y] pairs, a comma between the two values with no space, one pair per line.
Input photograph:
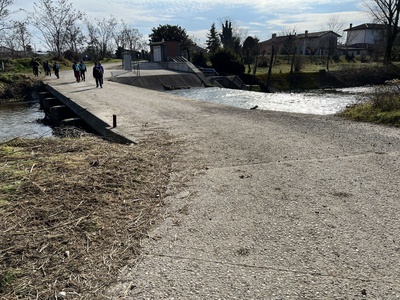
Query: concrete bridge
[279,205]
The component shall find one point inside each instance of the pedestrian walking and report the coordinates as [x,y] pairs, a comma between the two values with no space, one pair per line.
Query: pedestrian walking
[83,70]
[98,72]
[35,67]
[56,69]
[46,68]
[102,73]
[101,67]
[77,71]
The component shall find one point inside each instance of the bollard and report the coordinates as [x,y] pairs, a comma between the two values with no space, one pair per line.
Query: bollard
[114,121]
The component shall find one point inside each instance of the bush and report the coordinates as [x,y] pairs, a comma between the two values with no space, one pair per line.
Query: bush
[383,106]
[386,97]
[227,61]
[199,59]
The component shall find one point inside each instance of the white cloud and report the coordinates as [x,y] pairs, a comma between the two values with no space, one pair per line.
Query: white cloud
[259,18]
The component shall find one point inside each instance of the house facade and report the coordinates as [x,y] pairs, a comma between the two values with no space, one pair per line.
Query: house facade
[364,38]
[308,43]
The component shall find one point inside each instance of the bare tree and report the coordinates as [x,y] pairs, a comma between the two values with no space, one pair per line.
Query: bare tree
[18,38]
[334,26]
[289,45]
[93,43]
[386,12]
[101,33]
[5,13]
[129,38]
[75,39]
[55,20]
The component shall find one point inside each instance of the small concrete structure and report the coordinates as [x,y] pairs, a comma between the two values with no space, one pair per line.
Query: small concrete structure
[59,113]
[72,122]
[164,50]
[48,103]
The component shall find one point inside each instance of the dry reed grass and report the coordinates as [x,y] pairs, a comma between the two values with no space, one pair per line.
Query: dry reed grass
[74,211]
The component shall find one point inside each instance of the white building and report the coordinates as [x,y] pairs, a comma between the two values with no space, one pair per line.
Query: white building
[363,38]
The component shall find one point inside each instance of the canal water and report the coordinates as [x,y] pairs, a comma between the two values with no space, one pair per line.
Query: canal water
[318,102]
[21,120]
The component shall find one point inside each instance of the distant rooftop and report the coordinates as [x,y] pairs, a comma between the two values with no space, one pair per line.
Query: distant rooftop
[366,26]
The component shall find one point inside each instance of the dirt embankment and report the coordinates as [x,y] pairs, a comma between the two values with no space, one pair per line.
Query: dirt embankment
[17,87]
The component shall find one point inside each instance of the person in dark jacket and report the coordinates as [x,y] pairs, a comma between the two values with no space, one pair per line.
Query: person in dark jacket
[46,68]
[83,70]
[98,72]
[56,69]
[35,67]
[77,71]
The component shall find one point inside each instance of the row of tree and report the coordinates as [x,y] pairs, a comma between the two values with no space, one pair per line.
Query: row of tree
[66,30]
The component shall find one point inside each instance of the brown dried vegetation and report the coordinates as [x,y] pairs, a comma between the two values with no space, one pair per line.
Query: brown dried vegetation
[73,212]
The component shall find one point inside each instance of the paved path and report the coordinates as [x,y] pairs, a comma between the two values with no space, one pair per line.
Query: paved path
[262,205]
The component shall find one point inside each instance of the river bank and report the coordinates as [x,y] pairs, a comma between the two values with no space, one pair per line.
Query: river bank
[348,76]
[17,87]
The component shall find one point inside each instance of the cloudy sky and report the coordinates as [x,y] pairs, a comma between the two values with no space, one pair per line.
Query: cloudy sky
[257,18]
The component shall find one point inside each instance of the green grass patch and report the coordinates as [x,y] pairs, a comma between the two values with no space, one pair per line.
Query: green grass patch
[366,112]
[8,278]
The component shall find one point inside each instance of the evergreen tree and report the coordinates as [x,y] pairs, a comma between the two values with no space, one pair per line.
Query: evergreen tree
[227,36]
[230,38]
[172,33]
[168,33]
[213,42]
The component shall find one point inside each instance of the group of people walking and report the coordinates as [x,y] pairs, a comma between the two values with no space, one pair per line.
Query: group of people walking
[46,68]
[80,72]
[79,69]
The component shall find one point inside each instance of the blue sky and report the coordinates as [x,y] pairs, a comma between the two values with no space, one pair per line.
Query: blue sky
[257,18]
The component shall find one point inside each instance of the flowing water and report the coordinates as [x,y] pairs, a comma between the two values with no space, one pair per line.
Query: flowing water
[21,120]
[319,102]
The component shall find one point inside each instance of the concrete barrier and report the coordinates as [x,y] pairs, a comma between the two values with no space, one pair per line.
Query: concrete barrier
[72,122]
[59,113]
[43,95]
[48,103]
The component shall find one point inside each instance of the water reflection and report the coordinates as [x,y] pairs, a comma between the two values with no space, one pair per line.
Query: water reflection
[319,102]
[20,120]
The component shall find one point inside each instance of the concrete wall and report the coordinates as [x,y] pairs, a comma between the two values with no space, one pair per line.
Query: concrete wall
[162,82]
[177,66]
